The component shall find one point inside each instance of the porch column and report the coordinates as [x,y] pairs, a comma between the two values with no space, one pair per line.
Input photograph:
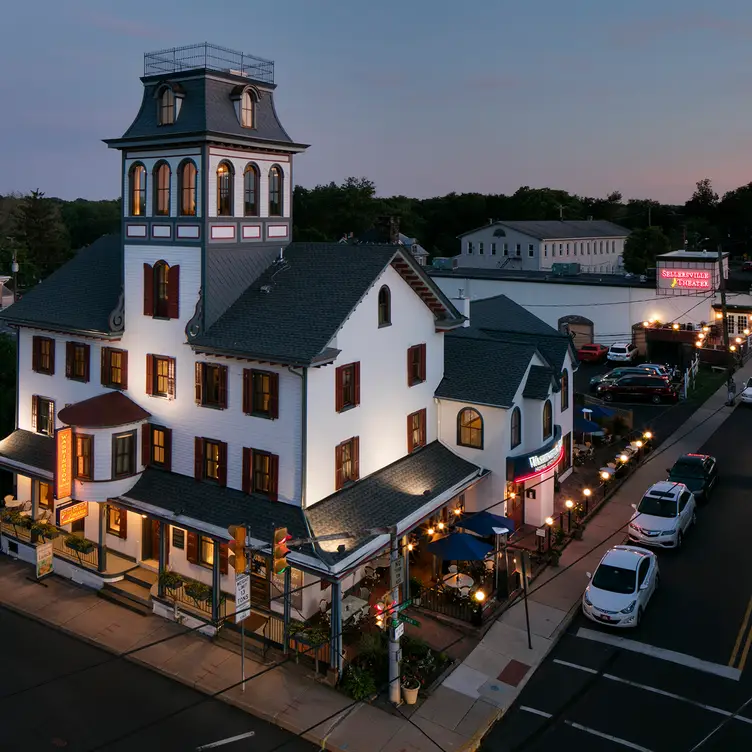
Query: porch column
[335,658]
[406,568]
[34,497]
[101,545]
[286,609]
[162,556]
[216,584]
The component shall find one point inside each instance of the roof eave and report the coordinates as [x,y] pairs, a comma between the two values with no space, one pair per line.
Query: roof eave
[192,137]
[99,334]
[449,324]
[473,402]
[323,358]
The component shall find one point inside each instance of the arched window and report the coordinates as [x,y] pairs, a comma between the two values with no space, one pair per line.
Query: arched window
[161,189]
[246,109]
[161,289]
[251,191]
[385,306]
[275,191]
[188,188]
[564,389]
[224,189]
[138,190]
[516,428]
[166,106]
[548,420]
[469,428]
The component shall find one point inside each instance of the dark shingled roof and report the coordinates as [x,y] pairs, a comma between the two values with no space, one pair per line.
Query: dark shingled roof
[309,296]
[388,496]
[216,506]
[207,108]
[29,448]
[77,297]
[555,229]
[539,382]
[103,411]
[483,370]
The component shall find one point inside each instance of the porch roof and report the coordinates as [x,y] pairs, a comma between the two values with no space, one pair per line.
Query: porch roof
[29,449]
[388,497]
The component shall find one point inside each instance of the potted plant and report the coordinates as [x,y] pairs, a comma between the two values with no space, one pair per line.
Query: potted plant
[44,530]
[410,689]
[198,592]
[553,557]
[79,545]
[359,683]
[170,580]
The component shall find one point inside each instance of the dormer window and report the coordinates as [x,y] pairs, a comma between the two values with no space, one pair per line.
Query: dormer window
[137,190]
[167,106]
[246,109]
[224,189]
[275,191]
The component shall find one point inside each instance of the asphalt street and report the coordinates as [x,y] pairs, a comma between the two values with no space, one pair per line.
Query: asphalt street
[685,669]
[96,709]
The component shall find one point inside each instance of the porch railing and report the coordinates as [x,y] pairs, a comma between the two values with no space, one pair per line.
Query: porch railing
[446,604]
[202,605]
[89,560]
[17,531]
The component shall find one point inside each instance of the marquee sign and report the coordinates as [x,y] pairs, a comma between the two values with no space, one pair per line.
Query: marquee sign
[63,463]
[687,279]
[525,466]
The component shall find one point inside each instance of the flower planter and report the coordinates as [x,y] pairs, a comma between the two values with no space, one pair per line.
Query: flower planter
[410,689]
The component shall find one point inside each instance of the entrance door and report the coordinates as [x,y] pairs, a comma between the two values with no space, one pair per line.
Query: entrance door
[150,539]
[516,508]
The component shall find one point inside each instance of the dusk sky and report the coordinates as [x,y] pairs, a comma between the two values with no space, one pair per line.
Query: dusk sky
[424,97]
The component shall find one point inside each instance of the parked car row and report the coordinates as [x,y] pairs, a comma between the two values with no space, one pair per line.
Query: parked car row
[619,352]
[628,575]
[648,381]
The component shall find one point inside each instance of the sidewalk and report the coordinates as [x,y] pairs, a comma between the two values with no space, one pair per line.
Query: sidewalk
[497,670]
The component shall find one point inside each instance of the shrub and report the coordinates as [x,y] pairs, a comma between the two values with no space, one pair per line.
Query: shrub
[359,683]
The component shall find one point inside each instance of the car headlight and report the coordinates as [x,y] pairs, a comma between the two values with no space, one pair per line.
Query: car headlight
[669,532]
[629,608]
[588,602]
[633,526]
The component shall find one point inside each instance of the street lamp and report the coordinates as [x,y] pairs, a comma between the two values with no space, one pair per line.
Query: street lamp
[569,504]
[549,524]
[480,596]
[586,492]
[623,458]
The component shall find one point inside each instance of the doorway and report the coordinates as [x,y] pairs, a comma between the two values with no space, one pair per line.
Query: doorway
[150,540]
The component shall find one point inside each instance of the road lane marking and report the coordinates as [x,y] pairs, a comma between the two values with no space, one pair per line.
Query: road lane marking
[655,690]
[726,672]
[740,636]
[745,652]
[615,739]
[535,711]
[229,740]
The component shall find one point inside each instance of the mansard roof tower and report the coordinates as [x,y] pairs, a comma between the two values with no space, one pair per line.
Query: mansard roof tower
[207,172]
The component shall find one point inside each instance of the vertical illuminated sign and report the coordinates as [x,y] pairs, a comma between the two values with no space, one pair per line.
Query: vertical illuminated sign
[63,463]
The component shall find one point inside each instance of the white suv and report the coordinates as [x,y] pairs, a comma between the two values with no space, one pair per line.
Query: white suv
[664,515]
[622,352]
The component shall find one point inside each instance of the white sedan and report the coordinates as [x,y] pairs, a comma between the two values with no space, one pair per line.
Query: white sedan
[746,395]
[663,516]
[621,586]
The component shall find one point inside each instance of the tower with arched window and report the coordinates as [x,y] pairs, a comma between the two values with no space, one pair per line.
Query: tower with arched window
[207,178]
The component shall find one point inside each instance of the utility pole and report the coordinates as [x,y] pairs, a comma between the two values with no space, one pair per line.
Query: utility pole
[394,637]
[650,215]
[724,320]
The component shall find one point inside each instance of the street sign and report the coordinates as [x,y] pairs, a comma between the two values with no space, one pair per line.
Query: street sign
[408,620]
[399,630]
[242,597]
[540,532]
[398,572]
[402,606]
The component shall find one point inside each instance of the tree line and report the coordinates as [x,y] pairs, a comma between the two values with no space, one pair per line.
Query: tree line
[44,232]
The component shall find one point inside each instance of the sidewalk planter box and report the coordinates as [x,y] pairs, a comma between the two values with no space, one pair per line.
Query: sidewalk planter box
[410,689]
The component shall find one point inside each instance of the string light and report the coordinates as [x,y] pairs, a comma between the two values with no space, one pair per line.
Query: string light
[746,332]
[480,596]
[647,435]
[638,444]
[605,475]
[738,340]
[410,547]
[623,457]
[646,324]
[430,531]
[674,326]
[549,521]
[719,316]
[586,492]
[569,503]
[732,348]
[458,511]
[441,526]
[705,328]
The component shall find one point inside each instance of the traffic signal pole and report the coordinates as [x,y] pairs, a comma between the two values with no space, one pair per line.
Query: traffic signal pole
[394,642]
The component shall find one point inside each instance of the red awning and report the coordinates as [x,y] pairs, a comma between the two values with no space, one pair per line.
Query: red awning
[103,411]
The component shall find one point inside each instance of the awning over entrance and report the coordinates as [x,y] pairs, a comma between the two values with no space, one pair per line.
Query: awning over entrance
[525,466]
[27,450]
[103,411]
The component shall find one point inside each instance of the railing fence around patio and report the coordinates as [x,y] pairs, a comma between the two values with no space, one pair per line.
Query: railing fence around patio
[690,375]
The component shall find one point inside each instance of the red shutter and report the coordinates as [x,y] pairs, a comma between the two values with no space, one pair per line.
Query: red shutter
[410,446]
[191,547]
[146,445]
[356,382]
[171,378]
[123,523]
[223,387]
[338,397]
[34,409]
[247,396]
[35,354]
[423,416]
[168,449]
[222,463]
[51,417]
[274,395]
[409,366]
[247,469]
[422,362]
[70,354]
[173,292]
[148,290]
[124,370]
[150,374]
[198,458]
[87,362]
[338,467]
[105,370]
[273,477]
[223,556]
[199,383]
[356,457]
[52,357]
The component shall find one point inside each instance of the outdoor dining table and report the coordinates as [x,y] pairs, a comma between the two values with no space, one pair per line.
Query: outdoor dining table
[352,606]
[459,581]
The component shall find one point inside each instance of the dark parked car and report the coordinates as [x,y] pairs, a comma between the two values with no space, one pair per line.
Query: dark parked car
[747,266]
[698,472]
[637,388]
[617,373]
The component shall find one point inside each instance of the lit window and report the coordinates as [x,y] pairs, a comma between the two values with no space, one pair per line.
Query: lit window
[206,551]
[246,110]
[162,189]
[138,190]
[188,189]
[115,521]
[45,495]
[43,415]
[224,190]
[114,368]
[347,462]
[211,460]
[470,428]
[416,430]
[275,192]
[548,420]
[261,474]
[167,107]
[158,446]
[83,457]
[123,455]
[251,191]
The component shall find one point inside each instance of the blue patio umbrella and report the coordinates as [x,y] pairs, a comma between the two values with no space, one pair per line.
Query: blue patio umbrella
[460,547]
[585,426]
[597,411]
[484,522]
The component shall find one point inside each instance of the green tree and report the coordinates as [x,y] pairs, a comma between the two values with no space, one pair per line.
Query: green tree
[704,201]
[40,237]
[88,220]
[641,248]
